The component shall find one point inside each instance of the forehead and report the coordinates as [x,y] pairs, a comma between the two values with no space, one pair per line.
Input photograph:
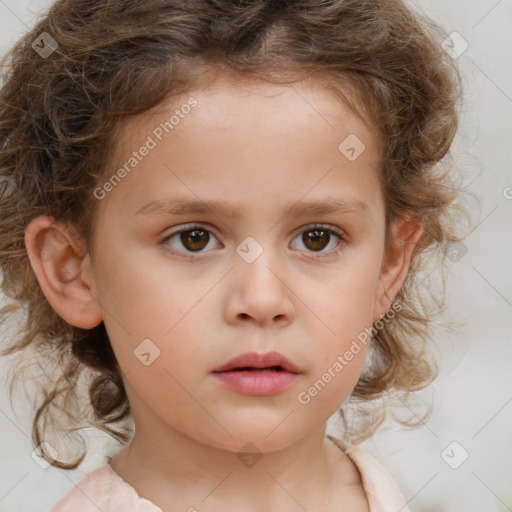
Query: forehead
[246,136]
[248,105]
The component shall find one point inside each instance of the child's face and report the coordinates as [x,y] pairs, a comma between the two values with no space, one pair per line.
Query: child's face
[259,150]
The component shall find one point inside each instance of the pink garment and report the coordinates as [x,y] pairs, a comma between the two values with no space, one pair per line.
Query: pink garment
[103,490]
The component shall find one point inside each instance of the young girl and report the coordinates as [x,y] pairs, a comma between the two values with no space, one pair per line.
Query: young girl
[214,215]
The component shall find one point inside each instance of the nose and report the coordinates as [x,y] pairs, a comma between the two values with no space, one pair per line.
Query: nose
[261,293]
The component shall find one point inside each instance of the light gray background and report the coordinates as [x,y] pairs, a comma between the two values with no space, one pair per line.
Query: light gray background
[472,398]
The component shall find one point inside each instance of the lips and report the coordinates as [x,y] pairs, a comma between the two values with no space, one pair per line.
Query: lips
[259,375]
[252,361]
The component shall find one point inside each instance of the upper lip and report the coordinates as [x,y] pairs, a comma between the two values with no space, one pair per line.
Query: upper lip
[257,360]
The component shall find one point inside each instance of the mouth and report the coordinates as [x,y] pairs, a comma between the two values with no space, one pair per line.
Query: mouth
[252,369]
[257,374]
[254,361]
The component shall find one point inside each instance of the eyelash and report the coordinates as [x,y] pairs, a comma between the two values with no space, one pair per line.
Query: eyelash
[191,227]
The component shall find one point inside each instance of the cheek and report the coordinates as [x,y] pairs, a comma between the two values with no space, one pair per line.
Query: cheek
[334,382]
[143,291]
[346,301]
[345,307]
[152,321]
[162,369]
[163,391]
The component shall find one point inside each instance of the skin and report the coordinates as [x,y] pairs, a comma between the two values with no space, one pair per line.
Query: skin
[262,147]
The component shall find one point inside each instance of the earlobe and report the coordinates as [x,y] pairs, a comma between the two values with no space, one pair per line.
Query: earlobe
[62,267]
[406,233]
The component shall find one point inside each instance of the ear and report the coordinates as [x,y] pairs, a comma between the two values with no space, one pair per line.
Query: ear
[62,267]
[406,232]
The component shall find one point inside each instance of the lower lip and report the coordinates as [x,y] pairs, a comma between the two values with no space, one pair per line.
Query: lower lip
[257,382]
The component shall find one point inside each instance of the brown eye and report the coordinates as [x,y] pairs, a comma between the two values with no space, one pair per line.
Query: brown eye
[195,240]
[316,239]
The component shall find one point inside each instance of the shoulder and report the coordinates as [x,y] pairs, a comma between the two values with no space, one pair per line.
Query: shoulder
[90,493]
[103,489]
[381,490]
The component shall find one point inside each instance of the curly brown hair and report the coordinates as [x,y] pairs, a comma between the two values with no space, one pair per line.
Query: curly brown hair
[58,119]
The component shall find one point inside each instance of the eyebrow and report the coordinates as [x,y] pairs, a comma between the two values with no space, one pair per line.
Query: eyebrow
[187,205]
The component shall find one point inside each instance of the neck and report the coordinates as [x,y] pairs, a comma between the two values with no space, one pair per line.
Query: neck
[177,472]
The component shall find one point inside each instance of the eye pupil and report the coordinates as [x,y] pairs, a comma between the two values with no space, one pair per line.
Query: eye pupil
[195,236]
[319,239]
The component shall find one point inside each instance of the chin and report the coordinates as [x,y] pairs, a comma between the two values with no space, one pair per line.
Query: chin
[258,437]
